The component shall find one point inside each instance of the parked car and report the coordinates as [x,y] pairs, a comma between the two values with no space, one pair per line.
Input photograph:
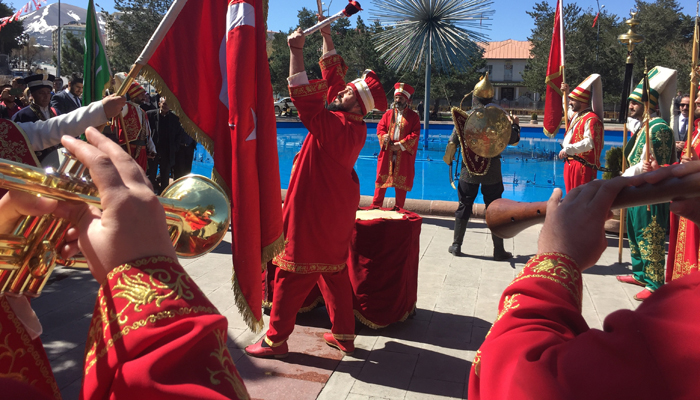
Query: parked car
[284,104]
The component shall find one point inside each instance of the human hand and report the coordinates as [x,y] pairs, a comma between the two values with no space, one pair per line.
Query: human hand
[14,205]
[575,226]
[651,165]
[564,87]
[680,146]
[685,158]
[296,40]
[113,105]
[563,155]
[131,224]
[395,147]
[515,120]
[326,30]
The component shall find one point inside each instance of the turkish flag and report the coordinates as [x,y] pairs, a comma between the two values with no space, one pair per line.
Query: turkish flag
[553,107]
[212,66]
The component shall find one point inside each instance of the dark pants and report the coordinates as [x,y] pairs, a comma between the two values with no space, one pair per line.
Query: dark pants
[467,195]
[162,180]
[183,161]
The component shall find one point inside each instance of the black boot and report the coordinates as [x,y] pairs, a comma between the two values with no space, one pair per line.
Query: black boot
[460,229]
[499,252]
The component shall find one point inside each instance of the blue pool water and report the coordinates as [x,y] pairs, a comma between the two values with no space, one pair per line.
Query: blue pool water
[531,169]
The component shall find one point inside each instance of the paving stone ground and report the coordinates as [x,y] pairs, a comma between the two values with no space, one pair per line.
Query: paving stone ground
[425,357]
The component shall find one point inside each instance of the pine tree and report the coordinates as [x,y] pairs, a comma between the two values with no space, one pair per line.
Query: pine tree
[131,27]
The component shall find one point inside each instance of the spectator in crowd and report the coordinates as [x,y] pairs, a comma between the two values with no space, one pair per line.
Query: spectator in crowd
[8,104]
[680,123]
[168,134]
[420,110]
[57,85]
[68,100]
[40,87]
[19,88]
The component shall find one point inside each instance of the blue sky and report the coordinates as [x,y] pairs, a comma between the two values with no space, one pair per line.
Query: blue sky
[509,20]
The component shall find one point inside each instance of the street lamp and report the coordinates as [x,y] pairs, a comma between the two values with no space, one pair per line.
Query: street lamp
[597,35]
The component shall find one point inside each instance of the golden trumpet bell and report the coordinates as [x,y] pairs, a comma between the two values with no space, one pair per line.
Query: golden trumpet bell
[197,211]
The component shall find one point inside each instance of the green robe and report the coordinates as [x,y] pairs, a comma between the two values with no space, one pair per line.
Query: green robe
[647,228]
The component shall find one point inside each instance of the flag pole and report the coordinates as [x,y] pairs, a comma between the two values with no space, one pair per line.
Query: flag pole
[563,65]
[693,86]
[152,44]
[629,39]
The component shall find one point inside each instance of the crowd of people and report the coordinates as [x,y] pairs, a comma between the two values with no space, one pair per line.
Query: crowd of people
[156,137]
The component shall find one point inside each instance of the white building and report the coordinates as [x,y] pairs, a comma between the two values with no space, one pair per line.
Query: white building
[506,63]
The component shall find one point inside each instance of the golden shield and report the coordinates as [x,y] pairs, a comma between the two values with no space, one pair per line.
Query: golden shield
[487,131]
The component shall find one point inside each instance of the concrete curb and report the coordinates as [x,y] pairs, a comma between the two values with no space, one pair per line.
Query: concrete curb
[442,208]
[422,207]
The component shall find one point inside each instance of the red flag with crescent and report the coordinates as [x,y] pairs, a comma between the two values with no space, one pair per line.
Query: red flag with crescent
[221,89]
[553,108]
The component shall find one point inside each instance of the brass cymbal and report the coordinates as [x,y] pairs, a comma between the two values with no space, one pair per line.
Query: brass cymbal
[487,131]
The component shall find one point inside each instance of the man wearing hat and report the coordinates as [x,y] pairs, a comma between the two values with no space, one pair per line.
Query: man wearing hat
[398,132]
[322,199]
[647,226]
[40,86]
[585,137]
[133,127]
[478,171]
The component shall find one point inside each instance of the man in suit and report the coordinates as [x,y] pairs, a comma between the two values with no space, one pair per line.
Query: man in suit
[167,134]
[68,100]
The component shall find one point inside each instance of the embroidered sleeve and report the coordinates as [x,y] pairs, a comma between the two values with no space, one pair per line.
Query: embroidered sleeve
[333,70]
[539,310]
[154,334]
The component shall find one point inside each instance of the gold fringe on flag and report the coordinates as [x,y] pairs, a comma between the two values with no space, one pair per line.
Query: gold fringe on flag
[255,325]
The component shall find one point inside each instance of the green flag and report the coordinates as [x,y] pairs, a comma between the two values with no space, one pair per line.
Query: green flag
[96,73]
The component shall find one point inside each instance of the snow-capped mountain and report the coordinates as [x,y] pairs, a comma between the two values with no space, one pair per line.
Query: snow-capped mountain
[40,23]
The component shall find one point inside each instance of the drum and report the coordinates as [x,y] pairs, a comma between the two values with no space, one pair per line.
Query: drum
[383,265]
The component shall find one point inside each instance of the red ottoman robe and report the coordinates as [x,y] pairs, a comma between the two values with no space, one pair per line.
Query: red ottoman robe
[575,172]
[401,174]
[324,190]
[153,335]
[137,128]
[684,242]
[540,346]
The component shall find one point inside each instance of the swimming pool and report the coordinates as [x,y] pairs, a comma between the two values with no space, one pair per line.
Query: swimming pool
[531,169]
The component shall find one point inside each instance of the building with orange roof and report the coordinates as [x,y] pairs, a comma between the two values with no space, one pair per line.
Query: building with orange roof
[505,62]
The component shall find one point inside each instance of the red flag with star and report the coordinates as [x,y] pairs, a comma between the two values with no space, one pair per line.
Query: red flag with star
[553,106]
[222,92]
[254,173]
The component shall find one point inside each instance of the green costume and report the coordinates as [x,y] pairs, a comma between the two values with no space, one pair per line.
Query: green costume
[647,229]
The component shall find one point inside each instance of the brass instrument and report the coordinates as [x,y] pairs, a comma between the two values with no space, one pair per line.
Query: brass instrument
[197,212]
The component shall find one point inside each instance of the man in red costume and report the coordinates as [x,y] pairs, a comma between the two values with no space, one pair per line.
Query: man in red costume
[153,333]
[322,199]
[540,346]
[684,240]
[584,139]
[133,124]
[398,132]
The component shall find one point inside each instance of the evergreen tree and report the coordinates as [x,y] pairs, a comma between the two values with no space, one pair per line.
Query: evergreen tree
[72,53]
[667,42]
[10,34]
[131,27]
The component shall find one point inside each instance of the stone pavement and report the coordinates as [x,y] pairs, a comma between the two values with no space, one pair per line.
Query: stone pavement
[425,357]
